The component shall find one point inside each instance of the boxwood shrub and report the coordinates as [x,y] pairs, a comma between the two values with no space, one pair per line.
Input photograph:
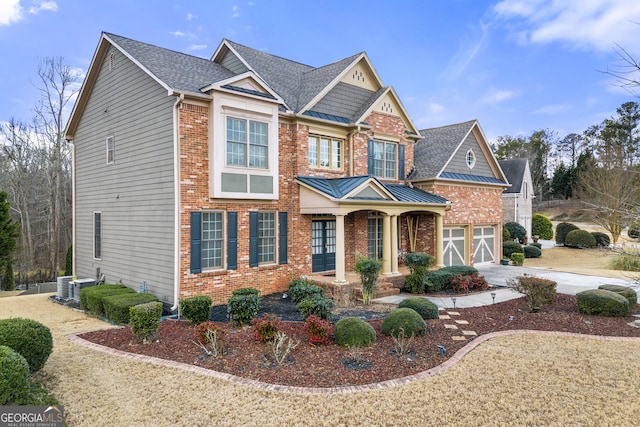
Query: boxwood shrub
[532,252]
[305,291]
[634,230]
[116,307]
[91,298]
[440,280]
[145,320]
[425,308]
[562,230]
[243,305]
[517,258]
[319,305]
[405,319]
[196,309]
[602,239]
[625,291]
[509,247]
[541,226]
[580,239]
[602,302]
[31,339]
[354,332]
[14,377]
[516,231]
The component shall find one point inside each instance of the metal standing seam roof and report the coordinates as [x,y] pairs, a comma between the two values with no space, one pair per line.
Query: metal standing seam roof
[337,188]
[472,178]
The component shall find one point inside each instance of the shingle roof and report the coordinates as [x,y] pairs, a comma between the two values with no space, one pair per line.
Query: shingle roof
[338,188]
[514,171]
[177,70]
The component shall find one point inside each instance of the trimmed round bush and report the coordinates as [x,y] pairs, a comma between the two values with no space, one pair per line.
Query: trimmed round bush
[634,230]
[305,291]
[425,308]
[405,319]
[354,332]
[31,339]
[506,235]
[14,376]
[580,239]
[626,292]
[602,239]
[531,251]
[510,247]
[602,302]
[196,309]
[516,230]
[243,305]
[541,226]
[562,230]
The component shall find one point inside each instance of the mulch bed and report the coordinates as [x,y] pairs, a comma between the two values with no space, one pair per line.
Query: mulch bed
[330,365]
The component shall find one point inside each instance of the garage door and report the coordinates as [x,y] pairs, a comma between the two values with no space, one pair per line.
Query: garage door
[483,245]
[453,246]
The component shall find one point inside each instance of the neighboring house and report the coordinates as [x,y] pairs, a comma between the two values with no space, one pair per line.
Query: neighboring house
[457,163]
[204,176]
[517,200]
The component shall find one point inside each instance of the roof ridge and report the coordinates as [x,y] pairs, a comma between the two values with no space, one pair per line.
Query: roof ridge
[156,46]
[451,125]
[267,53]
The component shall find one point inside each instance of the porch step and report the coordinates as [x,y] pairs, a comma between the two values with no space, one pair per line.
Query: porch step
[385,289]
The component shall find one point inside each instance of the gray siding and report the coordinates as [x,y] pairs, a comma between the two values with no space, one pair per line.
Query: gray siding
[136,193]
[232,63]
[458,163]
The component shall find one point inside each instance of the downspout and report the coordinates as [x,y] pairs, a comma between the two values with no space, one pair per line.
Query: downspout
[350,136]
[176,202]
[73,207]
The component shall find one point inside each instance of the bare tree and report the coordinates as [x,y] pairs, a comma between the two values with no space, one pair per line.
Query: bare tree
[627,73]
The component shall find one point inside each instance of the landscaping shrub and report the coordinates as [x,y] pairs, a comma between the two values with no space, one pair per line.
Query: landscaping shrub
[14,377]
[31,339]
[602,239]
[211,339]
[68,262]
[536,244]
[425,308]
[537,291]
[301,281]
[354,332]
[506,235]
[321,306]
[116,307]
[562,230]
[634,230]
[509,247]
[516,231]
[440,280]
[418,264]
[468,283]
[266,327]
[626,261]
[145,320]
[243,305]
[579,239]
[625,291]
[304,291]
[196,309]
[318,330]
[602,302]
[202,328]
[368,269]
[517,258]
[91,298]
[406,320]
[541,226]
[531,251]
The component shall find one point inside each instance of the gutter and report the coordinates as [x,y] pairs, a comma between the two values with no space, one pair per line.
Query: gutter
[176,191]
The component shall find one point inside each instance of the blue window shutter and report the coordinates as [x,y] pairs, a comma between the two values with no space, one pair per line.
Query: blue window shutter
[253,239]
[196,242]
[232,240]
[370,157]
[283,238]
[401,162]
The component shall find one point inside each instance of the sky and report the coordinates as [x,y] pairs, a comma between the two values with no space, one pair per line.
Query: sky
[515,65]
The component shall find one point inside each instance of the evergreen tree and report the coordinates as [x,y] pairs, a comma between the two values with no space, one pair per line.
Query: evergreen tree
[8,239]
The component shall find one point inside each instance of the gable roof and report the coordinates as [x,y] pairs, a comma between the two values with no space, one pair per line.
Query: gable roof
[514,170]
[435,150]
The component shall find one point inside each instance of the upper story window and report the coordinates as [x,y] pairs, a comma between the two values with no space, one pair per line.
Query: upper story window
[385,159]
[325,152]
[471,159]
[247,143]
[111,149]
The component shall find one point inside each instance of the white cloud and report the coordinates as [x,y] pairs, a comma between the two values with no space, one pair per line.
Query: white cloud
[434,107]
[235,13]
[593,24]
[177,33]
[190,16]
[469,48]
[197,47]
[50,6]
[10,12]
[496,96]
[552,109]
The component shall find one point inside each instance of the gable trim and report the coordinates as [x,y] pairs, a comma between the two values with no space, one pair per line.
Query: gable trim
[414,132]
[251,75]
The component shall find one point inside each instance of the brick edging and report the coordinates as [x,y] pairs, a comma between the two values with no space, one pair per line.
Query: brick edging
[74,338]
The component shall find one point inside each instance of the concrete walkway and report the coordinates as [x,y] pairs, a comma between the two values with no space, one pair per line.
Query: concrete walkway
[497,275]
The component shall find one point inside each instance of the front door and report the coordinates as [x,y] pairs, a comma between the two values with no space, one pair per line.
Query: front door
[323,246]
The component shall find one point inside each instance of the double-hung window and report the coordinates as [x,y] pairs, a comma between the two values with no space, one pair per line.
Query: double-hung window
[325,152]
[97,235]
[385,159]
[247,143]
[212,240]
[266,237]
[111,150]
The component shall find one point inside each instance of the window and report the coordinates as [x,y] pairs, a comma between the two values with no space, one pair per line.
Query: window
[111,149]
[247,147]
[266,237]
[374,236]
[471,159]
[97,235]
[325,152]
[212,240]
[385,159]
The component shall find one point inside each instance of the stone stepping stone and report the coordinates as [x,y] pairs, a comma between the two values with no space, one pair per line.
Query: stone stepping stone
[470,333]
[459,338]
[462,322]
[450,326]
[444,317]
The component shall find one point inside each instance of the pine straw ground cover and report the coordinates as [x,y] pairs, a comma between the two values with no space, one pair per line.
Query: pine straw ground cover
[512,380]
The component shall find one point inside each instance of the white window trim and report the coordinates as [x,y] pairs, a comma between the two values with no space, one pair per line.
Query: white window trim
[384,159]
[93,234]
[247,144]
[223,262]
[471,164]
[276,229]
[331,141]
[113,150]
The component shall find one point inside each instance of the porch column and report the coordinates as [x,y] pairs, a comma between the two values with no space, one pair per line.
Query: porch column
[394,244]
[386,245]
[439,238]
[340,252]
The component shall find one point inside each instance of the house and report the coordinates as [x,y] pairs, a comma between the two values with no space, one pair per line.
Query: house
[456,162]
[517,200]
[201,176]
